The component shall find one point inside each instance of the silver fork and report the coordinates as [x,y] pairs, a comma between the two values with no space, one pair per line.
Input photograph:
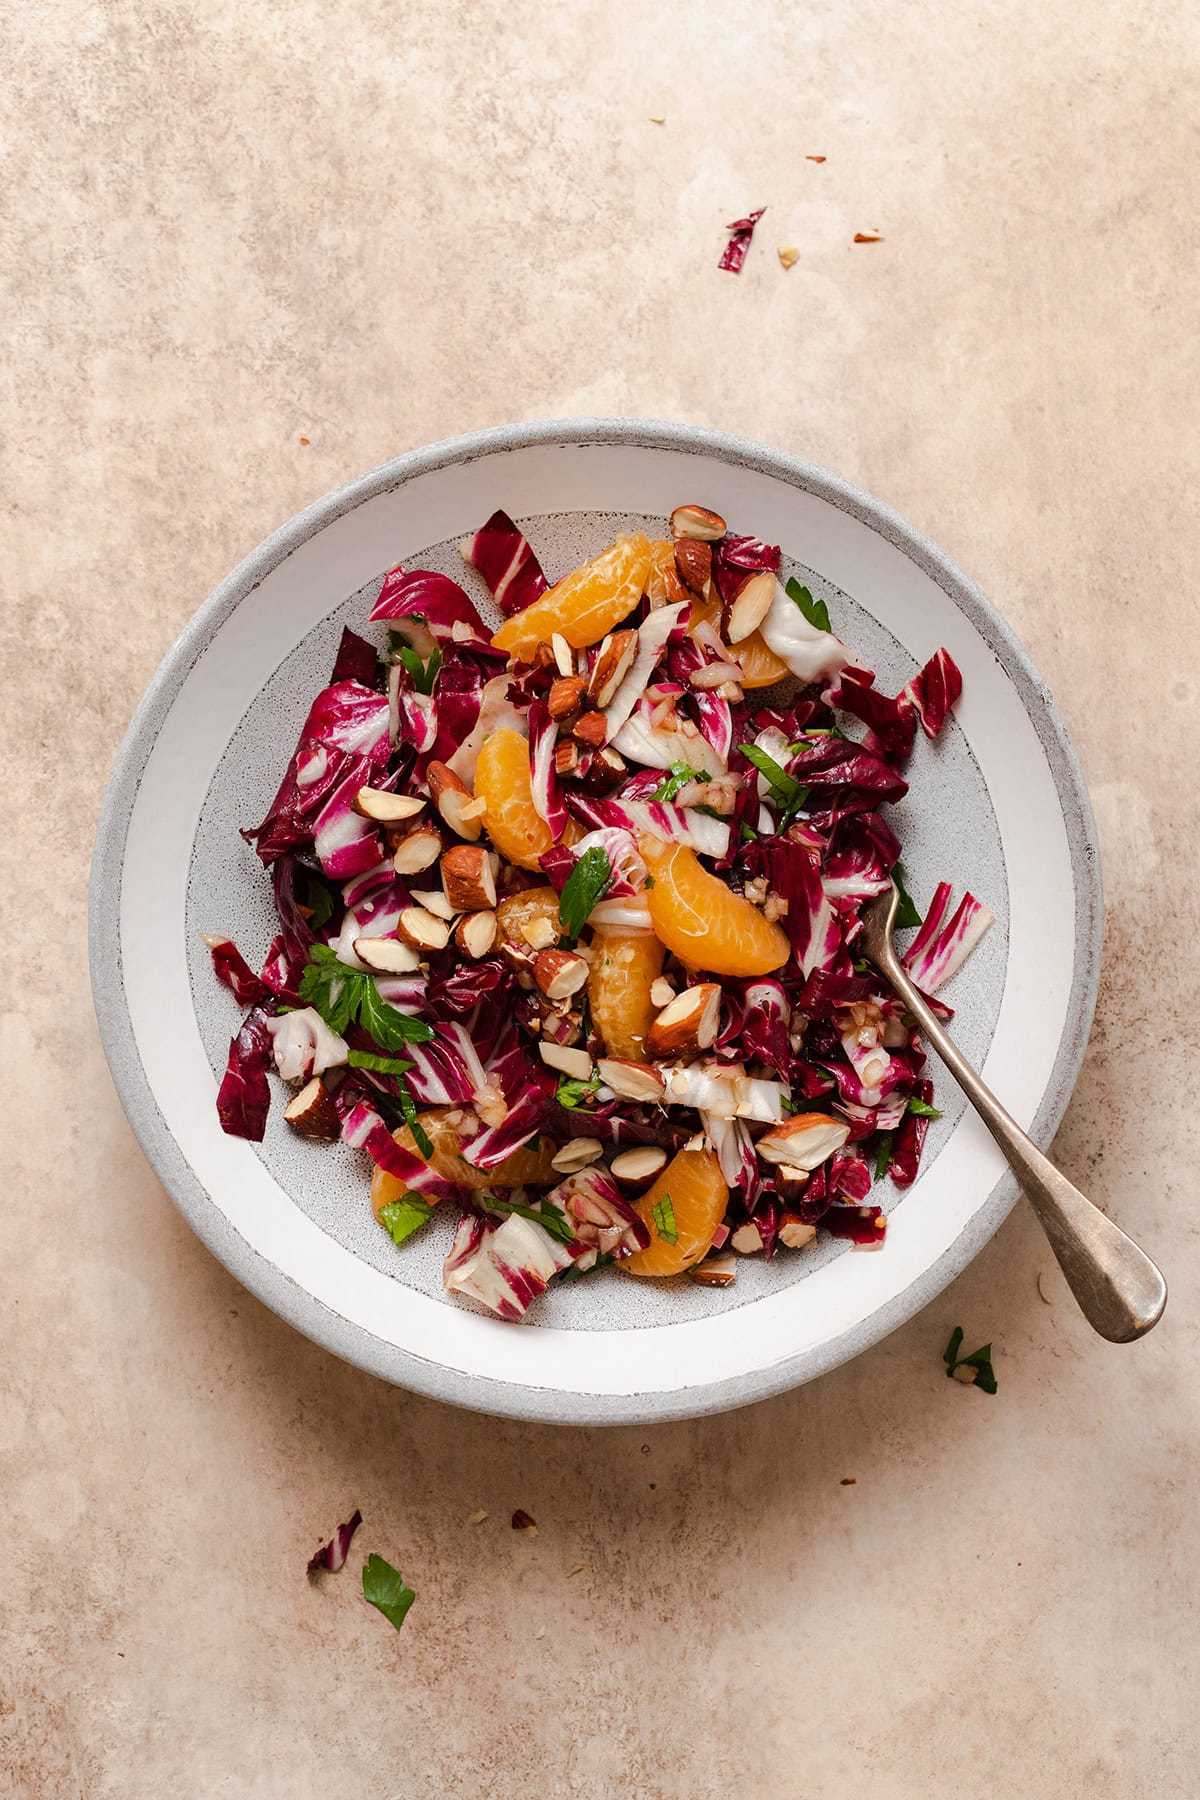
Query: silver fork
[1121,1293]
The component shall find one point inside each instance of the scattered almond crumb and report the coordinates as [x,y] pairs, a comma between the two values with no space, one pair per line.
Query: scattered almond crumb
[521,1521]
[1041,1290]
[814,159]
[867,237]
[788,254]
[540,1632]
[577,1570]
[658,118]
[965,1372]
[305,440]
[477,1518]
[849,1480]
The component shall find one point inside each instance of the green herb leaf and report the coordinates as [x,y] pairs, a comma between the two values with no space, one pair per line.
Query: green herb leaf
[388,1027]
[815,611]
[920,1109]
[680,774]
[318,902]
[378,1065]
[908,914]
[788,1104]
[663,1215]
[421,1137]
[861,966]
[340,994]
[401,1218]
[785,785]
[571,1093]
[883,1156]
[555,1223]
[384,1588]
[979,1360]
[422,674]
[649,881]
[587,883]
[749,835]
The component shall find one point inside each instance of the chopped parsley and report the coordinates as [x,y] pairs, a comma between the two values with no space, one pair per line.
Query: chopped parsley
[663,1214]
[787,793]
[423,674]
[555,1223]
[572,1093]
[401,1218]
[587,883]
[921,1109]
[883,1155]
[908,914]
[979,1360]
[815,611]
[678,777]
[341,995]
[384,1588]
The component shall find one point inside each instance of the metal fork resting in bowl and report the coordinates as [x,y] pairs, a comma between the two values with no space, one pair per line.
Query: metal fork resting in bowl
[1120,1291]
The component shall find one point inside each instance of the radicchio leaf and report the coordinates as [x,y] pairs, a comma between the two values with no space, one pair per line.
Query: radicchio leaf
[232,968]
[501,553]
[742,231]
[332,1556]
[244,1096]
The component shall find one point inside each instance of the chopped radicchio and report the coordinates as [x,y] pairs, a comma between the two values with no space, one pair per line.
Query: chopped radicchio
[332,1556]
[232,968]
[741,230]
[501,553]
[244,1096]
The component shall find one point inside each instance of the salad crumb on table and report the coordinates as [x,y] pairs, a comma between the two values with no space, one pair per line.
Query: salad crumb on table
[568,916]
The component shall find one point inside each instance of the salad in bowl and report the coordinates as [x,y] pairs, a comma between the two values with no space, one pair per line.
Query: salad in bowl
[568,916]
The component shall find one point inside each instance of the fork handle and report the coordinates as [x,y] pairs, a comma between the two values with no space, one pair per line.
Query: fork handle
[1120,1291]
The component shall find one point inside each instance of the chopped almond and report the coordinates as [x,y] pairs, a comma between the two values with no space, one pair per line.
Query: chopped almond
[804,1141]
[385,808]
[476,933]
[632,1080]
[451,795]
[469,877]
[559,973]
[312,1114]
[686,1024]
[697,522]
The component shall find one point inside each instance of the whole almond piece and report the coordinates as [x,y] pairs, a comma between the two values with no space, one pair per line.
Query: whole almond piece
[385,808]
[565,695]
[697,522]
[386,955]
[632,1080]
[469,877]
[417,850]
[693,559]
[687,1023]
[559,973]
[450,795]
[613,662]
[715,1272]
[749,606]
[476,934]
[312,1114]
[423,930]
[639,1166]
[592,729]
[577,1154]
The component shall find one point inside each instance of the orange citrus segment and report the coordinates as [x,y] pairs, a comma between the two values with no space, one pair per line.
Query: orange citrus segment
[758,662]
[705,925]
[698,1196]
[519,910]
[663,586]
[524,1168]
[585,605]
[502,783]
[624,963]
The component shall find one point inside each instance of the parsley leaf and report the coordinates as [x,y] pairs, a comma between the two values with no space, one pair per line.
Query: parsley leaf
[571,1093]
[663,1215]
[908,914]
[384,1588]
[921,1109]
[401,1218]
[788,1104]
[379,1065]
[883,1155]
[422,674]
[979,1360]
[421,1137]
[787,793]
[679,776]
[555,1223]
[815,611]
[748,833]
[340,994]
[318,902]
[587,883]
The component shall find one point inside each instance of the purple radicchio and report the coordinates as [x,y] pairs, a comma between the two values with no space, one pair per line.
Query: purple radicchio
[934,692]
[343,744]
[501,553]
[942,945]
[332,1556]
[741,231]
[244,1097]
[503,1267]
[232,968]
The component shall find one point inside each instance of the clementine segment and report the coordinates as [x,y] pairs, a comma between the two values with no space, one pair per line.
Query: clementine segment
[585,605]
[689,1198]
[702,922]
[523,1168]
[624,963]
[510,818]
[758,662]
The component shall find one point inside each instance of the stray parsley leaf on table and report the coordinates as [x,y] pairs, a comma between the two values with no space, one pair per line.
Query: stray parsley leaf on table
[384,1588]
[979,1360]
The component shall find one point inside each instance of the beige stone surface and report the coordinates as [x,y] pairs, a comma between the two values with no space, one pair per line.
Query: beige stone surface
[227,229]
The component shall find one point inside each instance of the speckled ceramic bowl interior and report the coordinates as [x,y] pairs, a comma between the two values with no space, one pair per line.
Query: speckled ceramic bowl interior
[997,804]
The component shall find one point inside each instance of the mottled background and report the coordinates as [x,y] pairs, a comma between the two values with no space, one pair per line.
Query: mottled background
[226,229]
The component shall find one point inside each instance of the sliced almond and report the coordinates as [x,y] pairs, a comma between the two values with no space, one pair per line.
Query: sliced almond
[559,973]
[473,809]
[386,955]
[566,757]
[804,1141]
[790,1182]
[747,1240]
[592,729]
[632,1080]
[639,1165]
[575,1063]
[564,656]
[387,809]
[795,1232]
[469,877]
[451,795]
[714,675]
[422,929]
[661,991]
[693,559]
[434,900]
[476,934]
[749,606]
[418,850]
[539,933]
[565,695]
[312,1114]
[687,1023]
[577,1154]
[613,662]
[715,1272]
[697,522]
